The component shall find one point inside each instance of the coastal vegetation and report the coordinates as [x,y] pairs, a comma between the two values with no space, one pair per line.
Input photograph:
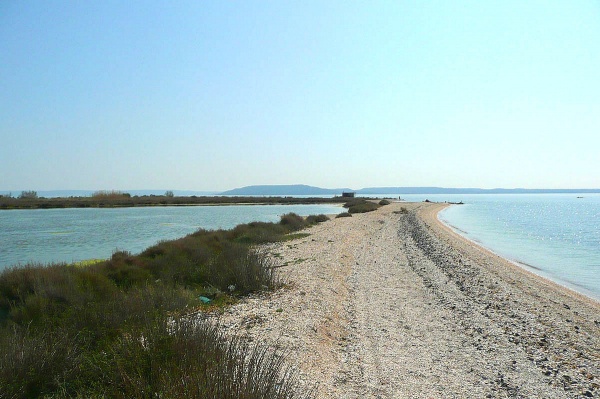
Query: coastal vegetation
[113,199]
[132,326]
[361,205]
[312,219]
[28,195]
[110,194]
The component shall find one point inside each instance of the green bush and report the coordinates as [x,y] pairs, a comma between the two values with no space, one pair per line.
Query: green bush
[343,215]
[292,222]
[384,202]
[362,206]
[258,232]
[28,195]
[353,202]
[245,270]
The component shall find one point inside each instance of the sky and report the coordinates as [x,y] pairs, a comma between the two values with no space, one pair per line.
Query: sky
[214,95]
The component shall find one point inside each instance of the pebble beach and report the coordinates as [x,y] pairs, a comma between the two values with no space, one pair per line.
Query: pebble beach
[394,304]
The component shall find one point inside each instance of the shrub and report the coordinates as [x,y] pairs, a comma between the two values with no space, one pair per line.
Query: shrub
[343,215]
[33,364]
[28,195]
[148,355]
[126,270]
[353,202]
[110,194]
[186,359]
[402,211]
[314,219]
[258,232]
[241,268]
[362,206]
[384,202]
[292,222]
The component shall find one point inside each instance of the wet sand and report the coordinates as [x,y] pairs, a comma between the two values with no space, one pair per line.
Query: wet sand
[394,304]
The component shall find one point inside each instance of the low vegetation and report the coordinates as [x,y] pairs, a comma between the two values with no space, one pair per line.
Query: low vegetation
[313,219]
[343,215]
[121,328]
[402,211]
[113,199]
[110,194]
[28,195]
[361,205]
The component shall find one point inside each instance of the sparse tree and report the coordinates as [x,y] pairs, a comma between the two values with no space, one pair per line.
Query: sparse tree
[28,195]
[110,194]
[169,194]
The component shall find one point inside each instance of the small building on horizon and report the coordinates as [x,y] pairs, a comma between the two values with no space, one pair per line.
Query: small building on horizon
[348,194]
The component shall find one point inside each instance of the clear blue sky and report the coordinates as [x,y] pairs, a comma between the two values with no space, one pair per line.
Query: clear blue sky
[212,95]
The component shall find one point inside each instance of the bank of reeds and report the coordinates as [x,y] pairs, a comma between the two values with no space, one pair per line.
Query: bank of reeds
[121,328]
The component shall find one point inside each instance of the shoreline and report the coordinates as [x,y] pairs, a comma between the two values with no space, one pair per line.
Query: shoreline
[393,303]
[524,267]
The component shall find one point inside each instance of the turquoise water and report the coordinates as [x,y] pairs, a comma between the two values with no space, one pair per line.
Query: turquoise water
[70,235]
[554,235]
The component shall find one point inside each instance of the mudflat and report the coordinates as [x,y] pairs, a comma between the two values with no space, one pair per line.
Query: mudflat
[393,304]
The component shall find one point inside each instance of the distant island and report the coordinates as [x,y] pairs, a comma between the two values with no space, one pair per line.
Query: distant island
[289,189]
[302,189]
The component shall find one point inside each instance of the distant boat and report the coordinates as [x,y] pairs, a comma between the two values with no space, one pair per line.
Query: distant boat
[579,197]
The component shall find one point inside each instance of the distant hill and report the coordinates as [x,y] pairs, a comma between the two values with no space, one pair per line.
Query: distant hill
[302,189]
[291,189]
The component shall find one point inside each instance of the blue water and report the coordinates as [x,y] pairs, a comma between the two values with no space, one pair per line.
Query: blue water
[554,235]
[70,235]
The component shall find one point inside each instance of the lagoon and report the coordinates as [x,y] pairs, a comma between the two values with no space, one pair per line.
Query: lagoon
[75,234]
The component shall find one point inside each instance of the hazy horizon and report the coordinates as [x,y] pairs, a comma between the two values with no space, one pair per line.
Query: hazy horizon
[211,96]
[420,190]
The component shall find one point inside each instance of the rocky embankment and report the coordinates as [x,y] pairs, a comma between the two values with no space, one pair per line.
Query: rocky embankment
[391,304]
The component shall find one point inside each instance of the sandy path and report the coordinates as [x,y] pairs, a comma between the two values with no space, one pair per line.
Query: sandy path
[393,305]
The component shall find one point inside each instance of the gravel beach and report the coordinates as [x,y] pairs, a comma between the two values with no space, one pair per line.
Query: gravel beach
[393,304]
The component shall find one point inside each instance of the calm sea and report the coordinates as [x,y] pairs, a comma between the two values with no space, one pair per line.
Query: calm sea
[554,235]
[70,235]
